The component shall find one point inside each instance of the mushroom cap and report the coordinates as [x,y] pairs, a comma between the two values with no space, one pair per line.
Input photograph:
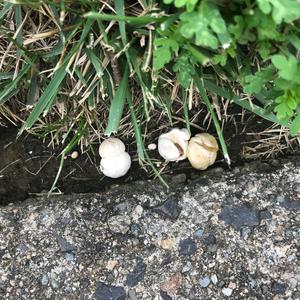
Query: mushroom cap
[187,134]
[202,151]
[111,147]
[117,166]
[172,146]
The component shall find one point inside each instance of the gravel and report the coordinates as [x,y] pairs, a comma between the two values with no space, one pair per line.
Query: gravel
[204,282]
[223,235]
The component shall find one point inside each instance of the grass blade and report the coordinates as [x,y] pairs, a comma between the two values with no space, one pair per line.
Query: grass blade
[200,85]
[186,110]
[6,8]
[142,153]
[66,150]
[18,19]
[96,62]
[244,103]
[137,129]
[33,89]
[117,105]
[47,97]
[119,6]
[5,94]
[128,19]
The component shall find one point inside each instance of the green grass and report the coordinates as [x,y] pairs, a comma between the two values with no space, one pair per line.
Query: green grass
[119,67]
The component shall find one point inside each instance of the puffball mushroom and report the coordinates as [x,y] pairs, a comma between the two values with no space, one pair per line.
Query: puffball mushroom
[115,162]
[172,146]
[202,151]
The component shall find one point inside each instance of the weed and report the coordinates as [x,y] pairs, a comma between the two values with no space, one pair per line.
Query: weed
[117,64]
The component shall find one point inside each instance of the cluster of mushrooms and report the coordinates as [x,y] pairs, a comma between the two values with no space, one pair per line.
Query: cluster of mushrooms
[175,145]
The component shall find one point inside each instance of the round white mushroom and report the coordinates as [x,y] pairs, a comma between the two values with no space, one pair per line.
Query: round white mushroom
[172,146]
[115,162]
[117,166]
[111,147]
[202,151]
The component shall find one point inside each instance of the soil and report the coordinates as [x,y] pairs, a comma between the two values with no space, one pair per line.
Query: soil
[28,166]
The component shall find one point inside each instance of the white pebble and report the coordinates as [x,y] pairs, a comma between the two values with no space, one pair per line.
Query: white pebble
[74,154]
[214,279]
[152,146]
[227,292]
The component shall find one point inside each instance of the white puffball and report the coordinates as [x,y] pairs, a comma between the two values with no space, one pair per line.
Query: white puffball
[117,166]
[111,147]
[202,151]
[172,146]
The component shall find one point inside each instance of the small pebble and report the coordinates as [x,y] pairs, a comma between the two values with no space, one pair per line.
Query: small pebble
[167,244]
[187,247]
[214,279]
[69,256]
[74,154]
[111,264]
[204,282]
[227,292]
[44,280]
[198,233]
[172,284]
[152,146]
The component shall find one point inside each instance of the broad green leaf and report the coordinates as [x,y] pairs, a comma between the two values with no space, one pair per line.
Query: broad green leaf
[282,10]
[282,108]
[207,25]
[288,67]
[295,41]
[295,126]
[287,104]
[164,48]
[190,4]
[184,70]
[255,83]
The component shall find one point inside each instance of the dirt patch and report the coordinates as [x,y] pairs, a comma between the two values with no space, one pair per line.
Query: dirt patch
[28,167]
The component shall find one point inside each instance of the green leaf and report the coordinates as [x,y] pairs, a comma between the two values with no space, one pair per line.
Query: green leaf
[295,126]
[96,62]
[282,10]
[120,10]
[288,67]
[287,104]
[255,83]
[207,25]
[295,41]
[117,105]
[164,48]
[244,103]
[190,4]
[9,89]
[47,97]
[184,70]
[282,108]
[202,91]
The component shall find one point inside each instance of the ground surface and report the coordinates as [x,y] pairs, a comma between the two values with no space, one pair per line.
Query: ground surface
[28,166]
[225,235]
